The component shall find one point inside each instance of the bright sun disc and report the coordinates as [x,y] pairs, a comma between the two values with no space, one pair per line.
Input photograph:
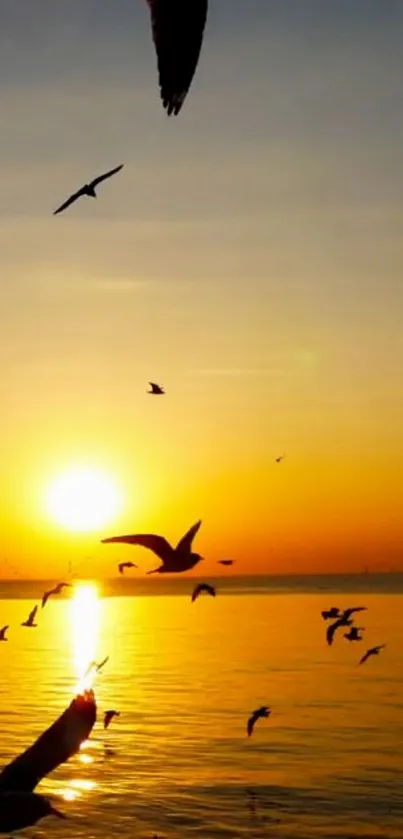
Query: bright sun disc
[82,499]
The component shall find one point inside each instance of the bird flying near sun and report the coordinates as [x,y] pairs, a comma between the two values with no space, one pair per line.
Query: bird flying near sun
[82,499]
[174,560]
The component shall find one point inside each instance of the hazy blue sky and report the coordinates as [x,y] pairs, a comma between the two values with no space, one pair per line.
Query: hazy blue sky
[248,256]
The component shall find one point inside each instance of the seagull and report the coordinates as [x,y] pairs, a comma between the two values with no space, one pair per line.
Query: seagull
[372,651]
[19,809]
[264,711]
[177,30]
[156,390]
[333,627]
[56,590]
[279,459]
[31,618]
[331,613]
[94,666]
[123,565]
[55,746]
[109,715]
[87,189]
[226,561]
[354,633]
[174,560]
[202,587]
[3,631]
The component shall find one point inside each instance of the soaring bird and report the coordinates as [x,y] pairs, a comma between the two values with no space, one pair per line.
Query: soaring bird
[353,633]
[108,716]
[56,590]
[177,29]
[202,587]
[372,651]
[123,565]
[333,627]
[226,561]
[264,711]
[331,614]
[174,560]
[3,631]
[30,621]
[279,459]
[19,809]
[55,746]
[94,666]
[88,189]
[156,390]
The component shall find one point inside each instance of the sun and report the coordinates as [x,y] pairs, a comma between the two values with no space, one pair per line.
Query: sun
[82,499]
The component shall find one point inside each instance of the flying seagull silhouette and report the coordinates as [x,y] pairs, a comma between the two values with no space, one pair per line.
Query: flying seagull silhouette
[156,390]
[123,565]
[56,590]
[372,651]
[202,587]
[354,633]
[177,30]
[226,561]
[174,560]
[3,631]
[108,716]
[55,746]
[331,613]
[23,809]
[94,666]
[87,189]
[30,621]
[279,459]
[264,711]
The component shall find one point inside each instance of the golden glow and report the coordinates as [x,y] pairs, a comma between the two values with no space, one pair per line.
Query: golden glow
[82,499]
[85,610]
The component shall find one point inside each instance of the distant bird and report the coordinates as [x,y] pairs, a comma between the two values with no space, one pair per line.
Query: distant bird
[372,651]
[88,189]
[123,565]
[109,715]
[19,809]
[331,613]
[56,745]
[333,627]
[354,633]
[156,390]
[202,587]
[226,561]
[56,590]
[279,459]
[31,618]
[3,631]
[177,29]
[174,560]
[94,666]
[264,711]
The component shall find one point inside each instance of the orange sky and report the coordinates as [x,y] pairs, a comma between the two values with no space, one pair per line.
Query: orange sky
[248,258]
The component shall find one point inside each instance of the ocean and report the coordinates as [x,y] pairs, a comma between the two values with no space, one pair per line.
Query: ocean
[177,763]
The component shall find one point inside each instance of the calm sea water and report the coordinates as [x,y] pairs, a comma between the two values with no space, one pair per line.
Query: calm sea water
[177,763]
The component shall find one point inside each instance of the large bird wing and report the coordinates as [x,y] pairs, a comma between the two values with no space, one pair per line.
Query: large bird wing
[69,201]
[331,630]
[365,656]
[348,612]
[177,28]
[56,745]
[157,544]
[32,614]
[196,592]
[109,174]
[251,722]
[185,544]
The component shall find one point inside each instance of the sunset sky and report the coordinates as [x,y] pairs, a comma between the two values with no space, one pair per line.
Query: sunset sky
[248,257]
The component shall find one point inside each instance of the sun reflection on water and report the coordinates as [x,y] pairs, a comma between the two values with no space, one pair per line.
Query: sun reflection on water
[85,612]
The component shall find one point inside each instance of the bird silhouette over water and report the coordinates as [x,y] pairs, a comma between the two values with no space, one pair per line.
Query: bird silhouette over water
[156,390]
[226,561]
[354,633]
[108,716]
[331,614]
[263,711]
[20,809]
[279,459]
[123,565]
[372,651]
[56,590]
[87,189]
[94,666]
[3,631]
[174,560]
[177,30]
[202,587]
[30,621]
